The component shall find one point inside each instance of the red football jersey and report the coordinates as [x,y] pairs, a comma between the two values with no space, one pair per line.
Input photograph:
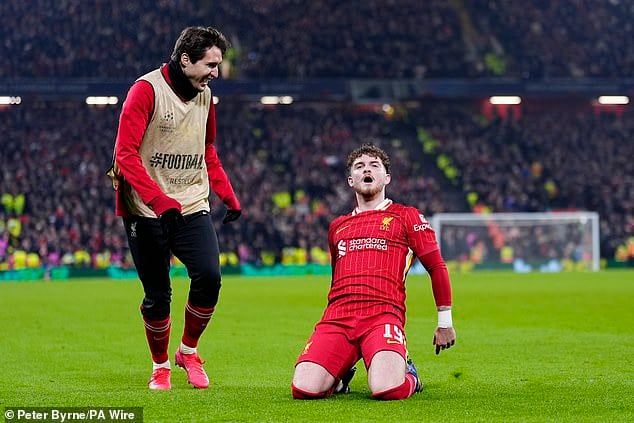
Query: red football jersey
[371,253]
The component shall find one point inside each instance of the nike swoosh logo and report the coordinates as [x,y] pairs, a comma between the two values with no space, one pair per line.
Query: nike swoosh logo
[341,229]
[391,341]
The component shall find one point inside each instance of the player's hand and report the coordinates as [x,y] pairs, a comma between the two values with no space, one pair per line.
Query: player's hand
[231,215]
[161,203]
[444,338]
[171,221]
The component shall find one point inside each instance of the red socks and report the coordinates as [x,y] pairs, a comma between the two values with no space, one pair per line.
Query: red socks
[405,390]
[299,394]
[158,338]
[157,332]
[196,319]
[401,392]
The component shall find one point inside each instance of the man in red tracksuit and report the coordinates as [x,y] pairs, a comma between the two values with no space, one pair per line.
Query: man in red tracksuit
[165,163]
[371,251]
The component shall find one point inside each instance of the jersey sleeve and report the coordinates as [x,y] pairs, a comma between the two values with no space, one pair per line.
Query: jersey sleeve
[331,244]
[136,114]
[218,179]
[422,240]
[421,236]
[334,250]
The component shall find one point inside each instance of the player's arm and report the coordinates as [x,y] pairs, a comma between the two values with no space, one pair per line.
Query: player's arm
[218,179]
[332,247]
[444,335]
[135,116]
[422,240]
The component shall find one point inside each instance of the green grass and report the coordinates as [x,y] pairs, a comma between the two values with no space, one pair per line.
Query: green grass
[531,347]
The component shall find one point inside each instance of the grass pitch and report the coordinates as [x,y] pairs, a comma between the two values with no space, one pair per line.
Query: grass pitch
[530,348]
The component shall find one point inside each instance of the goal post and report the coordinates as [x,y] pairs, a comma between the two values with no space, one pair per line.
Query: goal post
[523,242]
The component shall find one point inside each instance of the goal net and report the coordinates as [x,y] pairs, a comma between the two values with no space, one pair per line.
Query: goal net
[524,242]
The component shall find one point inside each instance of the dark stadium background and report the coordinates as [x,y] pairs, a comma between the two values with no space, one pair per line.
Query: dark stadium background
[412,76]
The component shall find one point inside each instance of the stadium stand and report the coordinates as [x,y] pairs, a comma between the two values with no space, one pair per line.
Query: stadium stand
[326,39]
[544,39]
[286,161]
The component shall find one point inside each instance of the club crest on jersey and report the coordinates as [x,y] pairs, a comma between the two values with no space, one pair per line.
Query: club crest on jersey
[385,225]
[305,351]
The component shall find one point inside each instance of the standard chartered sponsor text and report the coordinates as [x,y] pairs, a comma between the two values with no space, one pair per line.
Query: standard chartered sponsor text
[367,244]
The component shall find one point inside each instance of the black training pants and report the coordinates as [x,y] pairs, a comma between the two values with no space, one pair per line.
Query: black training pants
[195,244]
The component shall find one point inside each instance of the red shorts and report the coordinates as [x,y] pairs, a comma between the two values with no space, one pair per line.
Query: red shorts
[337,345]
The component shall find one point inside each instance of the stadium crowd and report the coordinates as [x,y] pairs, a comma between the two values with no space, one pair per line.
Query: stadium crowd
[329,38]
[55,208]
[552,158]
[57,205]
[545,39]
[287,164]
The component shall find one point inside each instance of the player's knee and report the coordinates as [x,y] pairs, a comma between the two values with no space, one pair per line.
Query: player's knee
[209,276]
[157,308]
[386,372]
[311,380]
[205,288]
[204,297]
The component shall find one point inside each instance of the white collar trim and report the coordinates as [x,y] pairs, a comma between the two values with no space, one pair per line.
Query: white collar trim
[383,205]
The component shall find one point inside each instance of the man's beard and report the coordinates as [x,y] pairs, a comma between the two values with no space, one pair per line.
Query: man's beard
[369,192]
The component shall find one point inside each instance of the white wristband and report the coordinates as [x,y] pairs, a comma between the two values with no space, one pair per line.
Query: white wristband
[444,319]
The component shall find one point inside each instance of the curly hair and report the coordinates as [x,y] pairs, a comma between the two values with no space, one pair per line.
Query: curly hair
[372,151]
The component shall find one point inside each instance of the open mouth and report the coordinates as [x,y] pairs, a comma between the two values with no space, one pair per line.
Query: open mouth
[368,179]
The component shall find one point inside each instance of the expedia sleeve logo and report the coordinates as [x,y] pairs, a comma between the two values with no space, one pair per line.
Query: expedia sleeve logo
[423,225]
